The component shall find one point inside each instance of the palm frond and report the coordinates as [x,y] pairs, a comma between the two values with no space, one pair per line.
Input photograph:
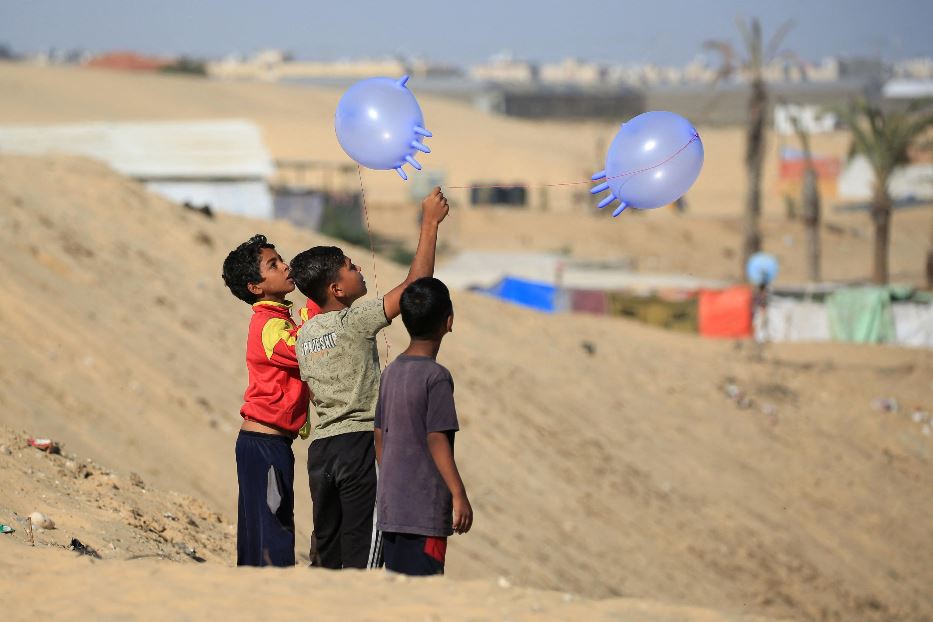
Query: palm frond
[726,53]
[751,35]
[777,39]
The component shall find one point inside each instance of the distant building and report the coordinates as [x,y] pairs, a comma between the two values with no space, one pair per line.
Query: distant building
[505,69]
[811,118]
[573,71]
[220,164]
[562,103]
[274,65]
[911,182]
[914,68]
[127,61]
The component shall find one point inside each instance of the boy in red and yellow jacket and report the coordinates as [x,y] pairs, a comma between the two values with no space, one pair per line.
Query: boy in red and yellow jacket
[275,406]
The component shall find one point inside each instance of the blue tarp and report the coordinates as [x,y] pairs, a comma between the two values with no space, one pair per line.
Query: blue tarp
[535,295]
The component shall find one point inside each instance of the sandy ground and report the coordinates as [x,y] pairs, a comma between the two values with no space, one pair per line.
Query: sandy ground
[604,458]
[66,587]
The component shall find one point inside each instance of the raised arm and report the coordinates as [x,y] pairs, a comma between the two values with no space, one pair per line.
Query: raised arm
[434,209]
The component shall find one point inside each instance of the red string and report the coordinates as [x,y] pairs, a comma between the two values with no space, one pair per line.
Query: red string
[372,248]
[590,181]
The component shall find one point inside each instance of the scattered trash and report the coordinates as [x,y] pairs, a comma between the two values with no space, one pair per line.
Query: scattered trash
[83,549]
[190,552]
[926,430]
[737,395]
[44,444]
[589,347]
[503,583]
[6,528]
[5,450]
[919,416]
[884,404]
[732,390]
[41,521]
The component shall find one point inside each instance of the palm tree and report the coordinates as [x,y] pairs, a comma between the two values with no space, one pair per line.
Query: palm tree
[886,140]
[811,202]
[757,56]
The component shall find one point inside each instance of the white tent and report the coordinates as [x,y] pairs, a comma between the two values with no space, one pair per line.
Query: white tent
[913,181]
[223,164]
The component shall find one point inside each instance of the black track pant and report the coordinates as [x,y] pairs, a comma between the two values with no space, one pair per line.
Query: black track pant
[265,469]
[342,478]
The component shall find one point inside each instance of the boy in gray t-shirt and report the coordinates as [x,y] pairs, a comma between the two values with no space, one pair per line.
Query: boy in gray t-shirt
[421,499]
[337,357]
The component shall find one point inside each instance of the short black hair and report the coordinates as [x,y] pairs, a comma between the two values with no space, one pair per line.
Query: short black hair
[425,307]
[241,267]
[316,268]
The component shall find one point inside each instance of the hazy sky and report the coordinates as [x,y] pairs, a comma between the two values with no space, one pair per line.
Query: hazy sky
[464,31]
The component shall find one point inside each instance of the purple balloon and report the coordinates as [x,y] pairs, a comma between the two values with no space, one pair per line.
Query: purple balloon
[379,124]
[653,161]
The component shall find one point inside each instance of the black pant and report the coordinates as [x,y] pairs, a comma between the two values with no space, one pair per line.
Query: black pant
[265,469]
[342,478]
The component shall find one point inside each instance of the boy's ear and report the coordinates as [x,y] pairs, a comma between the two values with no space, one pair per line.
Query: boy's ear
[255,289]
[450,323]
[335,290]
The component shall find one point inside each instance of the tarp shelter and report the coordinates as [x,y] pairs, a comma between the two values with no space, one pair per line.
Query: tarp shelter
[789,319]
[589,301]
[484,269]
[913,324]
[222,164]
[861,315]
[535,295]
[679,315]
[726,312]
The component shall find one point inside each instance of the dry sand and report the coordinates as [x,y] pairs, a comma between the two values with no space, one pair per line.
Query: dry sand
[625,472]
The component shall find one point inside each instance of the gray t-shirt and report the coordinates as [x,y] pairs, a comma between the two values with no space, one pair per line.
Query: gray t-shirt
[338,359]
[416,397]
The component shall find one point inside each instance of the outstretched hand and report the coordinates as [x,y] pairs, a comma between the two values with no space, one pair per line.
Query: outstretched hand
[434,207]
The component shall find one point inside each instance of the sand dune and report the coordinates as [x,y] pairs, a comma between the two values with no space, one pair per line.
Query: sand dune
[604,458]
[623,472]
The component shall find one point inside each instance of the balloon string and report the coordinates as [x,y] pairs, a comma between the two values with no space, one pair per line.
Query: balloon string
[695,138]
[372,248]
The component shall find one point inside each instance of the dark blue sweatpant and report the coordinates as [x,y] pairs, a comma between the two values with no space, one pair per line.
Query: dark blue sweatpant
[265,469]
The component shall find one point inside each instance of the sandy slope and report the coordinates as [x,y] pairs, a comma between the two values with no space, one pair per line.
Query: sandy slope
[625,472]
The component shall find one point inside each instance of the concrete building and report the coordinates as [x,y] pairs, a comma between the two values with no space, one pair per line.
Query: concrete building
[573,71]
[539,102]
[504,69]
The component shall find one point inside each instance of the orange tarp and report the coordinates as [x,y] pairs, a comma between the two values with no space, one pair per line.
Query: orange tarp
[725,313]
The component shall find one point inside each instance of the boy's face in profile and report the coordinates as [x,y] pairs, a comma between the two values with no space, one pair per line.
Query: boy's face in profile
[350,282]
[276,282]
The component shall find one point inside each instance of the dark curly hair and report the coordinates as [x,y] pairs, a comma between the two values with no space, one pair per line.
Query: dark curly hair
[425,307]
[316,268]
[241,267]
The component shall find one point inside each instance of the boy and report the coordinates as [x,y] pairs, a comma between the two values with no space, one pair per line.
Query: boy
[338,358]
[419,485]
[275,406]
